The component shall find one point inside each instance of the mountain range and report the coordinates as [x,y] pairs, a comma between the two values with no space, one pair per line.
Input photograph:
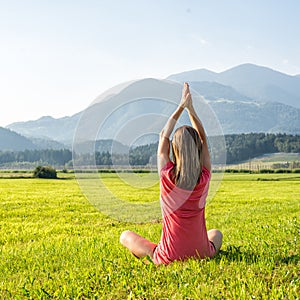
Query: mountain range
[256,82]
[246,98]
[13,141]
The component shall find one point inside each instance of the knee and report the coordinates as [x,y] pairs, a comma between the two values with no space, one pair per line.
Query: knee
[219,234]
[124,237]
[216,237]
[216,233]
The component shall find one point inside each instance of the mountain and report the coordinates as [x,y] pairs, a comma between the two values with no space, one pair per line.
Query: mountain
[111,113]
[242,98]
[248,117]
[255,82]
[215,91]
[46,128]
[137,110]
[48,144]
[102,146]
[12,141]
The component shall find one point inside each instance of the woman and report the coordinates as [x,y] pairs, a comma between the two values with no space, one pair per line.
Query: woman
[184,186]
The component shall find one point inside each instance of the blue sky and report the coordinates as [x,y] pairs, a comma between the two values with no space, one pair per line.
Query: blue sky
[56,56]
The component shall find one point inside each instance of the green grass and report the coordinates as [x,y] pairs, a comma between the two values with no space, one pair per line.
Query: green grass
[55,244]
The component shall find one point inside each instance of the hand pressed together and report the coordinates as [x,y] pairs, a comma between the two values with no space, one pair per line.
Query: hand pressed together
[186,99]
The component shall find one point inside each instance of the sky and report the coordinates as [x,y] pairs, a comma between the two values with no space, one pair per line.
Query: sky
[57,56]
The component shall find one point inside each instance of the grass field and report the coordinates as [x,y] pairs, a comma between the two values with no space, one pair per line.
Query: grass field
[55,244]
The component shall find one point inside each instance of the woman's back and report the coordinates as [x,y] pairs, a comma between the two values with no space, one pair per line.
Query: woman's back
[184,231]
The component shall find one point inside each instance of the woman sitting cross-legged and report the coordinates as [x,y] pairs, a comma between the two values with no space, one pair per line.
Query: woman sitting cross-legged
[184,184]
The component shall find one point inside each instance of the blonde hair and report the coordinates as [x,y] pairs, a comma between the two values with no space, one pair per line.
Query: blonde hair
[187,157]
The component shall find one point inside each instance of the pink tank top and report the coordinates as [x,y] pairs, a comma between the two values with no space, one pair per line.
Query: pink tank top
[184,231]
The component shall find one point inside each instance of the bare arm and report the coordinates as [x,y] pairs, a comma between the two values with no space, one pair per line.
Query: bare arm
[197,124]
[163,151]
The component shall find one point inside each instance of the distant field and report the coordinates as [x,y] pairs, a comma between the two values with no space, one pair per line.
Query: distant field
[55,244]
[268,161]
[278,157]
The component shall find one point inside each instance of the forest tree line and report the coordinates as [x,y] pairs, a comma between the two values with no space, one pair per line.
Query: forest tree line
[47,156]
[239,147]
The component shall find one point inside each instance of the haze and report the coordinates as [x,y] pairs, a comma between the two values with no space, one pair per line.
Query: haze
[56,57]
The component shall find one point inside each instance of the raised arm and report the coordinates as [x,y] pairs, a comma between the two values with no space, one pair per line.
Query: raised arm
[163,151]
[197,124]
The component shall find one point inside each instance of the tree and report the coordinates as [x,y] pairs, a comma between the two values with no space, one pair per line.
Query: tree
[45,172]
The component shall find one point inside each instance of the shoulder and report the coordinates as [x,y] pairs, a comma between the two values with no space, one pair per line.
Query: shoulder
[205,175]
[206,171]
[169,165]
[167,168]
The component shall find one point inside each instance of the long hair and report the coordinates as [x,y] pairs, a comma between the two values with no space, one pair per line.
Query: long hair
[187,157]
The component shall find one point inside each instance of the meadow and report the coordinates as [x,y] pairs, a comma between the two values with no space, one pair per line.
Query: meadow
[55,245]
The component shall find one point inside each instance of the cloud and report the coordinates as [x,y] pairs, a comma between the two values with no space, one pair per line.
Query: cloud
[199,39]
[285,61]
[204,42]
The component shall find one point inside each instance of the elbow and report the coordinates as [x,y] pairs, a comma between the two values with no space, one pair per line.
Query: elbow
[164,135]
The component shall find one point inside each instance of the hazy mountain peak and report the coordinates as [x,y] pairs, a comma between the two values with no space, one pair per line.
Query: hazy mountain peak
[194,75]
[46,118]
[255,70]
[255,82]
